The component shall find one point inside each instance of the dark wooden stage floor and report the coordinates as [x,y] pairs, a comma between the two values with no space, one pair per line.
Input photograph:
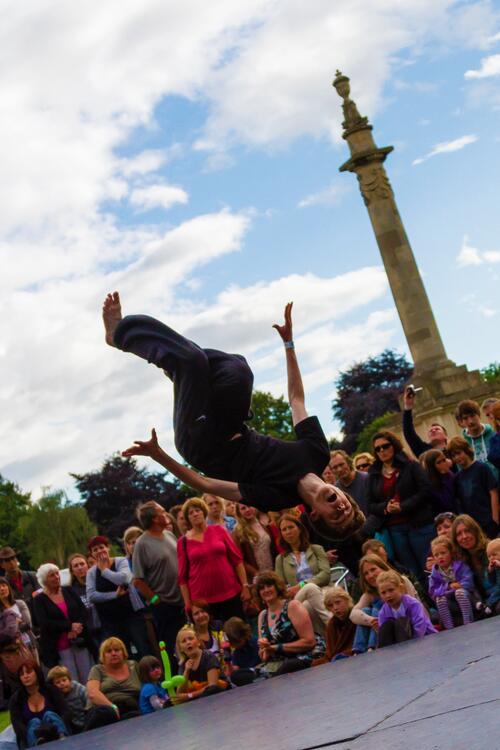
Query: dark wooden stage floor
[439,694]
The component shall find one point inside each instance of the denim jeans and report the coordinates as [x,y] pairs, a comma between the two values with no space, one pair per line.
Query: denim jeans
[49,717]
[411,547]
[366,637]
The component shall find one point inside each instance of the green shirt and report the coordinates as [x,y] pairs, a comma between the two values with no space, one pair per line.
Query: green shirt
[116,690]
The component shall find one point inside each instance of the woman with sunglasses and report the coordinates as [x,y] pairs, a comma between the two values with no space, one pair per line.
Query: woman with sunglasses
[400,493]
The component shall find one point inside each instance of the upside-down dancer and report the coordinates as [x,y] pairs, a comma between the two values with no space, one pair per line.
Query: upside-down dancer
[212,395]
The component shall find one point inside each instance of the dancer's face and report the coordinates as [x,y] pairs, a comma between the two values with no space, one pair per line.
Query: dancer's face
[332,507]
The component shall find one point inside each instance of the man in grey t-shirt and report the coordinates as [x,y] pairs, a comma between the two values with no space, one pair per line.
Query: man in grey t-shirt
[154,565]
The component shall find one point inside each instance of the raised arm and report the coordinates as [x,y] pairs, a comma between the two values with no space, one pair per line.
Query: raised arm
[151,448]
[296,397]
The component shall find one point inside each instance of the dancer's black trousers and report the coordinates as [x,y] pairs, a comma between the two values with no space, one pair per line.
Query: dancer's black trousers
[212,389]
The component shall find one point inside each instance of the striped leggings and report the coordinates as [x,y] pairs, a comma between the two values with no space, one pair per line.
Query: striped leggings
[463,601]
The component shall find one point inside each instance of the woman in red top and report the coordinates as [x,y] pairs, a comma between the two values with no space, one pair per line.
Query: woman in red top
[210,565]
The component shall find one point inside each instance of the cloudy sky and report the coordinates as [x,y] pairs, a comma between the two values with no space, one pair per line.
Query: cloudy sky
[187,154]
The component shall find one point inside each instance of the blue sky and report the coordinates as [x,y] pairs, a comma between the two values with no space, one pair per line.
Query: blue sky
[189,157]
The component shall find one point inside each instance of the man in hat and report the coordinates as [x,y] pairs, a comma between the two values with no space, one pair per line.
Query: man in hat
[23,582]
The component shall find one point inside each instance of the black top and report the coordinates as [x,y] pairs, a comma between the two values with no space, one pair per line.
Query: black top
[348,548]
[208,661]
[118,609]
[247,656]
[19,700]
[52,623]
[268,469]
[417,445]
[412,486]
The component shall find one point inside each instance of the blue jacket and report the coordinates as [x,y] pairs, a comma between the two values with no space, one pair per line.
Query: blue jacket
[494,450]
[494,591]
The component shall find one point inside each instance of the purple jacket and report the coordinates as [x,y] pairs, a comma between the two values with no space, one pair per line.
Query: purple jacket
[439,586]
[414,611]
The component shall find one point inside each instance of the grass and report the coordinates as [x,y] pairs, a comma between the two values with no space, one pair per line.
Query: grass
[4,720]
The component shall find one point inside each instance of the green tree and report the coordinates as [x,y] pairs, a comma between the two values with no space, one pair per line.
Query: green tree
[366,435]
[54,528]
[368,390]
[112,493]
[491,373]
[14,505]
[272,416]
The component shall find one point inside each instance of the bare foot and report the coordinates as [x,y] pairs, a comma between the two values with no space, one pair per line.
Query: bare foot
[111,315]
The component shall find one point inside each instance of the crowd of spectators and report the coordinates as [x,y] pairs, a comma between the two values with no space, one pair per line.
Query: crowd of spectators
[239,596]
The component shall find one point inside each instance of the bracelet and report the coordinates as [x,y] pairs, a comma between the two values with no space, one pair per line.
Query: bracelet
[113,705]
[155,598]
[280,648]
[302,584]
[289,344]
[190,696]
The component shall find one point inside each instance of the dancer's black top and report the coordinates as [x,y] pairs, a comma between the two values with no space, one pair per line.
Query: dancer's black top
[212,394]
[267,469]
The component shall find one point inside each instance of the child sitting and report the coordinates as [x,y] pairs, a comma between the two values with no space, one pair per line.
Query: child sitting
[493,600]
[401,617]
[339,630]
[365,612]
[244,656]
[152,696]
[200,668]
[450,579]
[75,695]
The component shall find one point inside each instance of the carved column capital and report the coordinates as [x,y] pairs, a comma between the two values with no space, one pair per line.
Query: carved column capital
[374,184]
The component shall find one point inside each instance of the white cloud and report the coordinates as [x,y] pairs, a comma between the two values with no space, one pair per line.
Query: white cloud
[157,196]
[471,256]
[468,255]
[146,161]
[490,66]
[492,256]
[447,147]
[329,196]
[487,312]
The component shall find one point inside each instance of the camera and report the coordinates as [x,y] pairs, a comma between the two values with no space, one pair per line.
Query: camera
[412,390]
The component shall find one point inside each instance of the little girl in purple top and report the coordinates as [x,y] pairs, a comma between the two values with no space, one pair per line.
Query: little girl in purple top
[402,617]
[450,579]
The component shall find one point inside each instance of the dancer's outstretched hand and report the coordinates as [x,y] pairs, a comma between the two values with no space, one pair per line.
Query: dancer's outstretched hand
[285,330]
[144,447]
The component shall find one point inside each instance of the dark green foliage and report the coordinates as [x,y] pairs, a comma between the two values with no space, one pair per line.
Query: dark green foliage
[112,493]
[272,416]
[491,373]
[14,505]
[54,528]
[366,435]
[368,390]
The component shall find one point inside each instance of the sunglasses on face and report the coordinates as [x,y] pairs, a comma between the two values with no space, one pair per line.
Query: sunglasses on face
[382,447]
[363,466]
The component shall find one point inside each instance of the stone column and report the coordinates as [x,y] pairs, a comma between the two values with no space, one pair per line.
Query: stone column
[406,284]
